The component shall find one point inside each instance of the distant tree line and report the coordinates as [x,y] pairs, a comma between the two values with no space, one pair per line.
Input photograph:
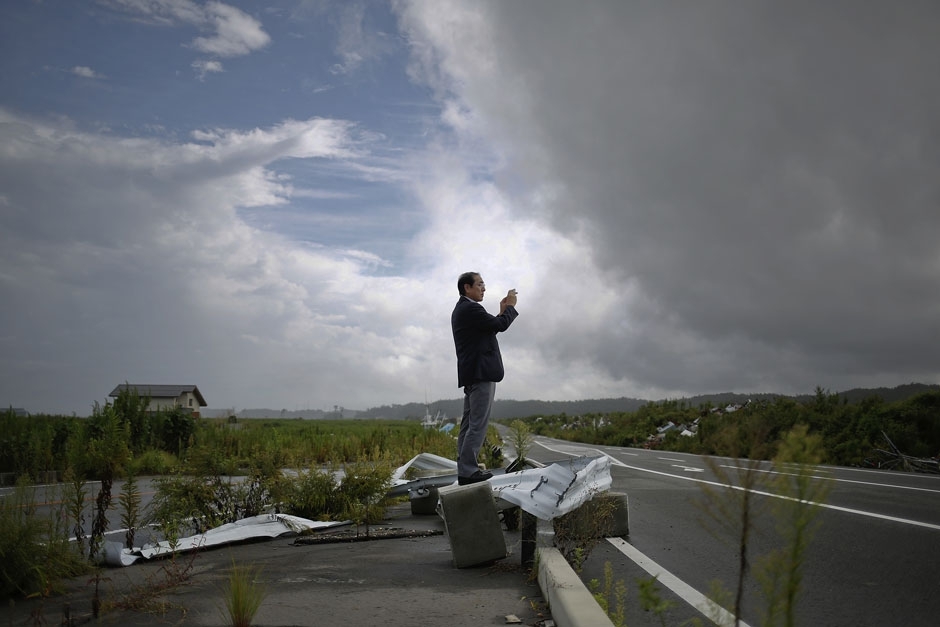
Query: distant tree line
[504,409]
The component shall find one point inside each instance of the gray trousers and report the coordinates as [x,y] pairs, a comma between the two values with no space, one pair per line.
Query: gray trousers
[477,404]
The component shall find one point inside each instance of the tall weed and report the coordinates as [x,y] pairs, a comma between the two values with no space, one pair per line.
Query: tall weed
[34,548]
[781,571]
[733,512]
[130,500]
[243,595]
[74,494]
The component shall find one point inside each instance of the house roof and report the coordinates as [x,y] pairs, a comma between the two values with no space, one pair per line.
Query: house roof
[160,391]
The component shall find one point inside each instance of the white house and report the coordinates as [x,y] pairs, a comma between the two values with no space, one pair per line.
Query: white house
[186,397]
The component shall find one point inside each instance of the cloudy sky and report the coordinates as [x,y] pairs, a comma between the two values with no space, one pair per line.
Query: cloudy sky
[273,200]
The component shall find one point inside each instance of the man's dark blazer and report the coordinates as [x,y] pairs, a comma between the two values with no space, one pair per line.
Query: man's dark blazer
[475,329]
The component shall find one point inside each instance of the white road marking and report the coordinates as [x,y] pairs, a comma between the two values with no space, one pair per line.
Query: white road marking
[684,591]
[578,450]
[797,467]
[688,468]
[871,483]
[891,472]
[837,508]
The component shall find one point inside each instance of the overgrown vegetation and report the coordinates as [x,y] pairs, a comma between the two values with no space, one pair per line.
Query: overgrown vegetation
[210,472]
[849,432]
[34,548]
[579,531]
[172,440]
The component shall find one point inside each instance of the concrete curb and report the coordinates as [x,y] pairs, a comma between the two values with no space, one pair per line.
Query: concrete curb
[571,603]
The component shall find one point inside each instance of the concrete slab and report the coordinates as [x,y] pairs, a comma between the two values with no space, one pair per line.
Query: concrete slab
[398,582]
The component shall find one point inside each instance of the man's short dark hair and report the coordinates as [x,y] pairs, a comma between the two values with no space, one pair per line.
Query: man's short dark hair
[467,278]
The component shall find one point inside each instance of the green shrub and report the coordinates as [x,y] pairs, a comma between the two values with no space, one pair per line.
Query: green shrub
[520,437]
[313,494]
[190,501]
[153,462]
[207,501]
[362,492]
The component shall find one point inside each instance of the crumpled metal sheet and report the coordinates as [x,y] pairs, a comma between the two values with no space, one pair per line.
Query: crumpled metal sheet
[262,526]
[546,493]
[556,489]
[427,464]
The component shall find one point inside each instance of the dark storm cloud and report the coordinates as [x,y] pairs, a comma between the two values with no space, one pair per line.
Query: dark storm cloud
[764,175]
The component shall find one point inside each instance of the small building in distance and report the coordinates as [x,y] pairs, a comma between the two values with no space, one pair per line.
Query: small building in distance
[186,397]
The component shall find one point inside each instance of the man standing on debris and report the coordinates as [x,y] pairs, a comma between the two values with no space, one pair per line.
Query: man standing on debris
[479,368]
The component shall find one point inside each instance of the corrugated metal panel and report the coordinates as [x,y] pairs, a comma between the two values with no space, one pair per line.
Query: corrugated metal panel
[427,464]
[545,493]
[557,489]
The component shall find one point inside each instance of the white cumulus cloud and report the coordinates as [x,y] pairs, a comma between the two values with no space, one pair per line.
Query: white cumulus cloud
[85,72]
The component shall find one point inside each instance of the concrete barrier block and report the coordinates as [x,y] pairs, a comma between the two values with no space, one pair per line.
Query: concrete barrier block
[472,524]
[606,515]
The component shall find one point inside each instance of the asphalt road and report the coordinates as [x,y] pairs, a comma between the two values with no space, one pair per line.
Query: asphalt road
[49,499]
[874,560]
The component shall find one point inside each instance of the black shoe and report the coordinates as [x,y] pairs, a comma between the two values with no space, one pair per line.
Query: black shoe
[476,477]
